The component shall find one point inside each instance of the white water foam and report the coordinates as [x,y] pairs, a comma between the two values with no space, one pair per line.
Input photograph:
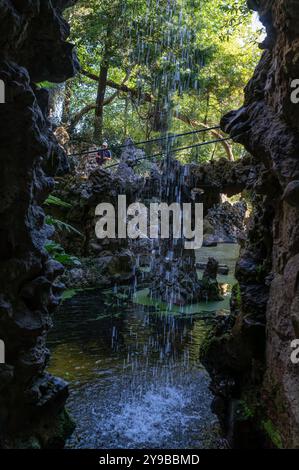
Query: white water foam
[150,419]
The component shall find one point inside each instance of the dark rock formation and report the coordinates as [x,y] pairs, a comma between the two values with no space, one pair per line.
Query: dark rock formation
[33,48]
[101,186]
[108,261]
[221,176]
[256,385]
[222,268]
[210,286]
[174,275]
[175,280]
[108,268]
[226,222]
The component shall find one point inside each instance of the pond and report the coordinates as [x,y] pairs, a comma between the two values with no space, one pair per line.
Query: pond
[133,367]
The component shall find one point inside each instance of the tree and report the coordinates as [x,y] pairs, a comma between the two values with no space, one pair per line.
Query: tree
[147,62]
[99,32]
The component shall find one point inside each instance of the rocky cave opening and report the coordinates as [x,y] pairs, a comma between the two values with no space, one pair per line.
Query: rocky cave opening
[247,353]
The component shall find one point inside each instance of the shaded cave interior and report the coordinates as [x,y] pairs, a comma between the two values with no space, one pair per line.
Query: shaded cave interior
[255,385]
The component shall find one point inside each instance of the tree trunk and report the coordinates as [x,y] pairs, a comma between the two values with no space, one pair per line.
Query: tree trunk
[99,111]
[126,116]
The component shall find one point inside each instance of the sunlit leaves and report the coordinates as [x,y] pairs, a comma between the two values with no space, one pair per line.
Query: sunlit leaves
[194,56]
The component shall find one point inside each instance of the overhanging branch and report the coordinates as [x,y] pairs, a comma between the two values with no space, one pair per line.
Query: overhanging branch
[147,97]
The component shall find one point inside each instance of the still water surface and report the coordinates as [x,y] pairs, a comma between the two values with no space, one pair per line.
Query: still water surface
[133,367]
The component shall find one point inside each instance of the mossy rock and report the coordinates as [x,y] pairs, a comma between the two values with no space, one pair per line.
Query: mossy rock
[272,433]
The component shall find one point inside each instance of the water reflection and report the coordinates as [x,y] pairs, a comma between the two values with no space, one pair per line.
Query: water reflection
[91,337]
[134,372]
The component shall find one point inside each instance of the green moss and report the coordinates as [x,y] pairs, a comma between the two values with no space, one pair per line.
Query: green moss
[236,294]
[245,410]
[212,341]
[272,433]
[70,293]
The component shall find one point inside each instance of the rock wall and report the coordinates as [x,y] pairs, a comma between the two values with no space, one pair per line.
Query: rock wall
[33,48]
[256,386]
[227,222]
[223,176]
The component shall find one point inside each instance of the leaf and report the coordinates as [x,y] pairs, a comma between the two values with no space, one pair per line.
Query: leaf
[60,225]
[58,253]
[56,201]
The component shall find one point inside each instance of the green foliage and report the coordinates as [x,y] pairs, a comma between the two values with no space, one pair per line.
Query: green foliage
[55,249]
[57,252]
[236,294]
[56,201]
[246,412]
[193,57]
[60,225]
[273,434]
[47,85]
[69,294]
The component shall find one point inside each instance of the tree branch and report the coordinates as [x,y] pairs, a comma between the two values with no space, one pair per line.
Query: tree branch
[149,99]
[78,116]
[121,87]
[192,122]
[89,107]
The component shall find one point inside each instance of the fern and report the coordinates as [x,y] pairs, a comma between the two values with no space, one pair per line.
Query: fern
[60,225]
[55,249]
[57,252]
[56,201]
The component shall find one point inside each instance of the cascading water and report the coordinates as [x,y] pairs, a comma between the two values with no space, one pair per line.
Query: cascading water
[175,279]
[133,364]
[134,371]
[57,96]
